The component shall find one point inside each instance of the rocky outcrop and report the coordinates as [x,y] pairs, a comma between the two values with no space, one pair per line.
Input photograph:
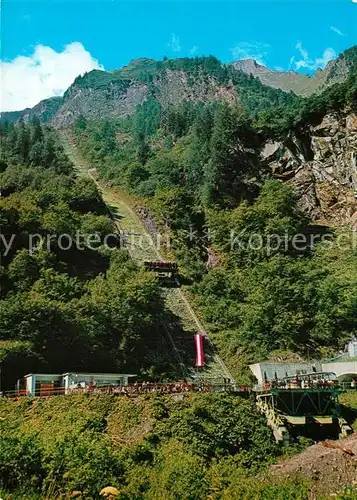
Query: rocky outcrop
[113,100]
[174,87]
[44,110]
[320,162]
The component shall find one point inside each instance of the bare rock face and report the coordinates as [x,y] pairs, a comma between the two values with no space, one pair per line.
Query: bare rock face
[119,98]
[174,87]
[321,164]
[115,100]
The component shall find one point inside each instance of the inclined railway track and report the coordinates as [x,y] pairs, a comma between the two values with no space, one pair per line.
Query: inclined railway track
[128,224]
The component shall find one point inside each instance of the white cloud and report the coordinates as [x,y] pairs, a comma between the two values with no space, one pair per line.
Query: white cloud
[336,30]
[46,73]
[174,43]
[304,53]
[251,50]
[291,62]
[312,64]
[193,50]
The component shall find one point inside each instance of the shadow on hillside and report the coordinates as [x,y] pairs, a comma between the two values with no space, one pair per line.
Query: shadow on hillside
[349,414]
[114,212]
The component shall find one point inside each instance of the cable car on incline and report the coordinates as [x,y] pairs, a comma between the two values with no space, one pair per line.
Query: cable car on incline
[166,271]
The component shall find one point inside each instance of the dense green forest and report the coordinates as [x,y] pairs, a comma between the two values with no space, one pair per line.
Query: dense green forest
[150,448]
[66,306]
[195,167]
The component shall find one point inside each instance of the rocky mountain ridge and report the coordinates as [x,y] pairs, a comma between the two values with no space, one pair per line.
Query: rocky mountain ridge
[101,94]
[318,157]
[336,71]
[121,97]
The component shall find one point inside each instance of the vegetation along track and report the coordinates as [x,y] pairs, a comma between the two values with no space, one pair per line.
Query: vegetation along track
[141,247]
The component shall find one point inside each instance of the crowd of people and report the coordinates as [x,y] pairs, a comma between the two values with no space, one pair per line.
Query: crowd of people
[148,387]
[134,389]
[182,386]
[302,383]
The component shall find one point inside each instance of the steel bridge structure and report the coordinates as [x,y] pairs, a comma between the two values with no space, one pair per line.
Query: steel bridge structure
[295,410]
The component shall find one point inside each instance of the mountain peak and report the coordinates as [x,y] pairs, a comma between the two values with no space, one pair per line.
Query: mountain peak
[302,84]
[136,66]
[250,66]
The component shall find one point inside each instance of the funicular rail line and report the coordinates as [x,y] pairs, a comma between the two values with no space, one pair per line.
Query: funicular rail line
[127,223]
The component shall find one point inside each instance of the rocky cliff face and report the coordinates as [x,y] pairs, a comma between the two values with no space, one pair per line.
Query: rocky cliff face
[321,164]
[120,98]
[177,86]
[111,101]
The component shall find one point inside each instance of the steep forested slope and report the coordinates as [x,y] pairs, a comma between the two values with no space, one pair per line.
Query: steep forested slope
[200,147]
[68,302]
[200,170]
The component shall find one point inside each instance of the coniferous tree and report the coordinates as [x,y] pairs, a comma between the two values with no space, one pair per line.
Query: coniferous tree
[36,131]
[22,142]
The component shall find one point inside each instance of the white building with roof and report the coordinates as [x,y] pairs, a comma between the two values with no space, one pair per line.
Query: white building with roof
[267,371]
[344,365]
[42,384]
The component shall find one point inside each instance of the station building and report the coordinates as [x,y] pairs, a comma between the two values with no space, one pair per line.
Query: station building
[42,384]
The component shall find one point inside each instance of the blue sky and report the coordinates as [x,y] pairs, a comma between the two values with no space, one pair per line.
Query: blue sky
[298,35]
